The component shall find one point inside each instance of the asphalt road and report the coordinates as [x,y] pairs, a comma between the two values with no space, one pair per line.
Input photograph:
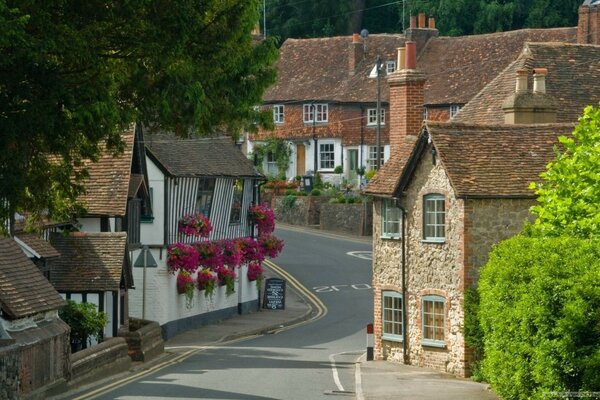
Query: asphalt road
[312,361]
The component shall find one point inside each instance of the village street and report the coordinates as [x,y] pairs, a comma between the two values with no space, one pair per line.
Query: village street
[311,361]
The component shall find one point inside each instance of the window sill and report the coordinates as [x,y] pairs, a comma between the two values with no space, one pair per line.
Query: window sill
[436,344]
[434,241]
[390,237]
[374,125]
[392,338]
[147,220]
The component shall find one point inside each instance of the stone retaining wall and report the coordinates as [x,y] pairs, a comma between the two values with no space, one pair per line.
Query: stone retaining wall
[144,339]
[354,219]
[104,359]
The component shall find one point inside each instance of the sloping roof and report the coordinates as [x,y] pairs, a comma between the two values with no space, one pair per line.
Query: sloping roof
[89,262]
[318,69]
[108,182]
[495,160]
[39,245]
[457,68]
[573,80]
[24,291]
[199,157]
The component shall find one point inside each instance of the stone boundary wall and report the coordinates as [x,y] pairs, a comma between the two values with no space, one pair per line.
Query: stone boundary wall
[144,339]
[354,219]
[298,210]
[104,359]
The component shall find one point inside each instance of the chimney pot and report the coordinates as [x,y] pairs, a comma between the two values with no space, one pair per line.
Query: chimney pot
[539,80]
[431,23]
[413,21]
[401,57]
[356,38]
[521,84]
[421,20]
[411,55]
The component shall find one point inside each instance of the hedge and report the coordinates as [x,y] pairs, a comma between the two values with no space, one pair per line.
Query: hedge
[540,316]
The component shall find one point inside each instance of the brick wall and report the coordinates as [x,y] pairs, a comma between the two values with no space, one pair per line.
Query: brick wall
[588,29]
[406,104]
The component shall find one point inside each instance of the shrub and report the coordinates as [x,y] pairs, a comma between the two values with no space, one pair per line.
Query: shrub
[315,192]
[288,202]
[540,315]
[85,322]
[290,192]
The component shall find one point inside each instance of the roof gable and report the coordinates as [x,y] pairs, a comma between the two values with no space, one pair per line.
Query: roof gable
[199,157]
[24,291]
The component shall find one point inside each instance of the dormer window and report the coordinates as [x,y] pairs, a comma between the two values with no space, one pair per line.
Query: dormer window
[454,109]
[315,113]
[278,116]
[390,66]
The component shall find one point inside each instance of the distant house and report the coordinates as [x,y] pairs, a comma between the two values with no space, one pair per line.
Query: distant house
[34,342]
[451,190]
[203,175]
[324,102]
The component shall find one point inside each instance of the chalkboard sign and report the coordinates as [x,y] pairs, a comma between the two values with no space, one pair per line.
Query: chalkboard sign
[274,298]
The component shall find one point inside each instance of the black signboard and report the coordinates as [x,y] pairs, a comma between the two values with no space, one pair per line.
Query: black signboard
[274,298]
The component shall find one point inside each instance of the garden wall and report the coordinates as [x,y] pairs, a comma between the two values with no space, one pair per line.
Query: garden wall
[353,219]
[298,210]
[104,359]
[144,339]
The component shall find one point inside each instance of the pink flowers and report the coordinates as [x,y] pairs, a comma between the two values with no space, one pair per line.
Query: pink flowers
[255,272]
[271,245]
[264,218]
[185,285]
[226,278]
[209,254]
[195,225]
[182,257]
[207,281]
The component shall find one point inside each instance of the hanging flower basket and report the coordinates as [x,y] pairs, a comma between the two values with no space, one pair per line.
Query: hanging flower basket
[226,278]
[251,251]
[209,254]
[195,225]
[271,245]
[207,281]
[255,273]
[182,257]
[264,218]
[231,252]
[185,286]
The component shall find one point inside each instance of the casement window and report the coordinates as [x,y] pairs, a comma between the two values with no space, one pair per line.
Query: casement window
[272,168]
[434,217]
[326,156]
[204,197]
[316,113]
[372,157]
[278,116]
[433,320]
[236,204]
[454,109]
[392,316]
[425,113]
[391,220]
[372,116]
[390,66]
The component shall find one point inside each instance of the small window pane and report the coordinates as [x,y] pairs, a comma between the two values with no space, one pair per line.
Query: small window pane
[392,316]
[434,218]
[433,320]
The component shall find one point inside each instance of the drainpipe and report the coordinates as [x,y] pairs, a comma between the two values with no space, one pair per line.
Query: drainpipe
[404,297]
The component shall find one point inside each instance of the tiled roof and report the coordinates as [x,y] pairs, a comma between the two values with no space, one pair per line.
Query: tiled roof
[573,80]
[457,68]
[39,245]
[108,182]
[89,262]
[199,157]
[385,182]
[24,291]
[318,69]
[495,160]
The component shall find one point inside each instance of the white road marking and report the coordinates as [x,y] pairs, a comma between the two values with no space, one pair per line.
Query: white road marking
[365,255]
[337,288]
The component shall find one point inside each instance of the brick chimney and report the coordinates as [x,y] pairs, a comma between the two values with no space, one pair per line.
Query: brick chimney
[356,53]
[588,28]
[421,30]
[525,107]
[407,95]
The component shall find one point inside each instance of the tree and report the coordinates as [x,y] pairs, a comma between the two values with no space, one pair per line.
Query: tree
[569,195]
[74,74]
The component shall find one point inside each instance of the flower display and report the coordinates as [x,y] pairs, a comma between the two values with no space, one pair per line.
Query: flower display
[195,225]
[251,251]
[255,273]
[231,252]
[271,245]
[209,254]
[264,218]
[226,278]
[185,285]
[207,281]
[182,256]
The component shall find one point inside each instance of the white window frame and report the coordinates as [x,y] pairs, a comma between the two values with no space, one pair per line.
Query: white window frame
[372,116]
[425,114]
[392,316]
[454,109]
[390,66]
[438,308]
[278,113]
[391,220]
[320,109]
[330,159]
[434,217]
[372,157]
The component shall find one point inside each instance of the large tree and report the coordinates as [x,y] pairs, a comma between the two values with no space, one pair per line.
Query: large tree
[74,74]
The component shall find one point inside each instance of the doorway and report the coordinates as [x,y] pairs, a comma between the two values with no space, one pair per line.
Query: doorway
[300,159]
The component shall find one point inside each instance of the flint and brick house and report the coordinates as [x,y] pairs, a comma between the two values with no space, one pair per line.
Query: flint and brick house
[451,190]
[334,75]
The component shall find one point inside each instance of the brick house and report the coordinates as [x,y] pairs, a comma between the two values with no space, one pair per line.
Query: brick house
[331,79]
[451,190]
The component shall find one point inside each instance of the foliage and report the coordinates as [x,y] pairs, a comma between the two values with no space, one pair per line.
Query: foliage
[338,169]
[74,75]
[315,192]
[370,174]
[195,225]
[318,181]
[540,315]
[85,322]
[210,254]
[271,246]
[288,202]
[226,277]
[278,149]
[569,196]
[207,281]
[185,285]
[473,332]
[255,273]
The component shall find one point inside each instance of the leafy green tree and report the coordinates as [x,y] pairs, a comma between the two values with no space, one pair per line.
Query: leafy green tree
[569,195]
[85,321]
[74,74]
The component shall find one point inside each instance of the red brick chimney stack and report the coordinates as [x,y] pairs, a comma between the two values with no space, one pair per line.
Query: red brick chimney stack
[422,20]
[407,95]
[413,21]
[356,53]
[588,28]
[431,23]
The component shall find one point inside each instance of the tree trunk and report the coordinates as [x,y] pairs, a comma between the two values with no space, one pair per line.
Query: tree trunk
[356,19]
